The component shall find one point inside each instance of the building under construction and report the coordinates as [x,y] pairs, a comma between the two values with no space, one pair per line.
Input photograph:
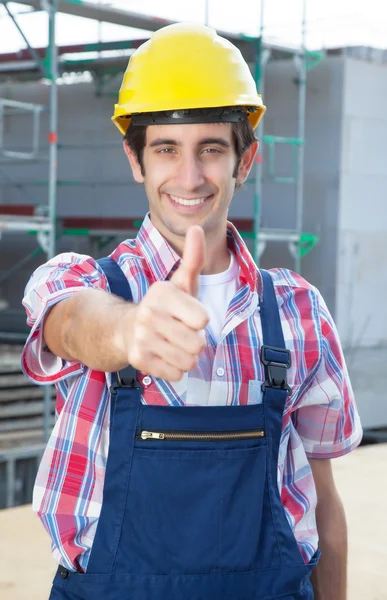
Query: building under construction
[315,203]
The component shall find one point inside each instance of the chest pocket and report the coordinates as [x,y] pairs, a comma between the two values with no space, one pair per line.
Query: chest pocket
[195,506]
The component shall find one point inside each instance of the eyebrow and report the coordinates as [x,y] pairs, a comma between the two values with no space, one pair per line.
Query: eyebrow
[172,142]
[164,142]
[215,140]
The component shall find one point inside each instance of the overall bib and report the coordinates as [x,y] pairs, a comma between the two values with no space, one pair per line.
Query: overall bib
[191,507]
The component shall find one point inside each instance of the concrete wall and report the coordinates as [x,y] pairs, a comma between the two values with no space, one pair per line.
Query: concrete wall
[362,259]
[361,283]
[322,165]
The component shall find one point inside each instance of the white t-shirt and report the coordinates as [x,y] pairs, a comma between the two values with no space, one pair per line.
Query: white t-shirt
[216,292]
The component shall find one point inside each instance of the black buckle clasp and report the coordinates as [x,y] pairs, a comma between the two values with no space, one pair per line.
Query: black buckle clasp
[276,361]
[125,381]
[126,378]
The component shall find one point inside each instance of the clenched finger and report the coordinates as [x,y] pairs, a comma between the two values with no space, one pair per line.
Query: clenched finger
[185,308]
[162,370]
[178,334]
[172,354]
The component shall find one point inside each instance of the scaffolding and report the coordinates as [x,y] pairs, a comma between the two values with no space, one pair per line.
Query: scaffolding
[256,52]
[38,62]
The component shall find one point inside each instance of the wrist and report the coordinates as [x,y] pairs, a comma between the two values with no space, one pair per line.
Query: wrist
[123,332]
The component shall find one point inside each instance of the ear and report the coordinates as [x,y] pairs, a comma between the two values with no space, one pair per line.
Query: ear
[134,164]
[247,162]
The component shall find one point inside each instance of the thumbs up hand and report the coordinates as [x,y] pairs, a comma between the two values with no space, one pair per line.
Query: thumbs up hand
[165,337]
[186,278]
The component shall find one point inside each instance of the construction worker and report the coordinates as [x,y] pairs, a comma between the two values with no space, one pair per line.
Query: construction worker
[195,471]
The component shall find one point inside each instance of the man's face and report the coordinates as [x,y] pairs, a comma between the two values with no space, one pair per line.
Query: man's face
[189,176]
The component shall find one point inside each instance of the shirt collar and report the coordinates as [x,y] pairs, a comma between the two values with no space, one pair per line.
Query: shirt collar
[162,260]
[249,272]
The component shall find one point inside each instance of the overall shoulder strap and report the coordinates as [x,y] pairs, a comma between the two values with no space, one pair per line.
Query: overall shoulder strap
[118,283]
[271,322]
[119,286]
[274,355]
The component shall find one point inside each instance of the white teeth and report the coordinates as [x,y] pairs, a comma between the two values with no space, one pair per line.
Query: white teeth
[185,202]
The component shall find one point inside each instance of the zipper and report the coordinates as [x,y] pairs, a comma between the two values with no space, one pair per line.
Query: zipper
[204,436]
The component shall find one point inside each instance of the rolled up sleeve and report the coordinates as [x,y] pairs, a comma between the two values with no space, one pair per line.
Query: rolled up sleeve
[54,281]
[326,418]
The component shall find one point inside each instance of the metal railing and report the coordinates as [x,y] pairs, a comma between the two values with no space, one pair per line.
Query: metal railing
[15,108]
[22,434]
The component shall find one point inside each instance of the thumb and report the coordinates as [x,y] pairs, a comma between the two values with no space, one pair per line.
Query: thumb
[186,278]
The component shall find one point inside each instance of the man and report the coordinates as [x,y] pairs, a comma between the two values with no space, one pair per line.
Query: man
[195,472]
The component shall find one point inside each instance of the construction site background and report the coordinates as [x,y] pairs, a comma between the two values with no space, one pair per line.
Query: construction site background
[315,202]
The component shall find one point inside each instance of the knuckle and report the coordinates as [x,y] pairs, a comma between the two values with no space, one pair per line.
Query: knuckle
[160,370]
[204,316]
[155,372]
[163,373]
[166,371]
[200,317]
[192,362]
[142,313]
[152,366]
[157,290]
[175,374]
[198,345]
[136,358]
[185,361]
[147,313]
[151,343]
[141,335]
[199,341]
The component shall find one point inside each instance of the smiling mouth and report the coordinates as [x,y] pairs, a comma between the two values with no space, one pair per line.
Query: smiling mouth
[190,202]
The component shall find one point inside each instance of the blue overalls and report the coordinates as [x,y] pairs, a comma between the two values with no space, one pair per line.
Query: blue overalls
[191,507]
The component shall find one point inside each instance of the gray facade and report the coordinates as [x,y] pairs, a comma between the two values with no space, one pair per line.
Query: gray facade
[361,281]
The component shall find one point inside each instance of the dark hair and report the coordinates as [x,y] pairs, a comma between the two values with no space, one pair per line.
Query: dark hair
[242,134]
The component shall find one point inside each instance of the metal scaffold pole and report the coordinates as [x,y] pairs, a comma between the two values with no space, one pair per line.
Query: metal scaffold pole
[53,134]
[52,72]
[207,11]
[260,64]
[302,70]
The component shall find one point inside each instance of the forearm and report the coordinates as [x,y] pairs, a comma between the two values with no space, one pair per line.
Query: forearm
[87,327]
[162,335]
[329,578]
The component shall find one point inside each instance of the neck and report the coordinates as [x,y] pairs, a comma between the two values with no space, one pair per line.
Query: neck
[217,254]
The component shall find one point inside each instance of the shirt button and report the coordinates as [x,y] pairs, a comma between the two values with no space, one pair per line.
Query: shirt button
[147,380]
[220,372]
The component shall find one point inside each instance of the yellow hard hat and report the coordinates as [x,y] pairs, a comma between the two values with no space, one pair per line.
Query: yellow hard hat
[185,66]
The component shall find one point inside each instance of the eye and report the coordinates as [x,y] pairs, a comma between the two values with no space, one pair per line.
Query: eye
[166,151]
[212,151]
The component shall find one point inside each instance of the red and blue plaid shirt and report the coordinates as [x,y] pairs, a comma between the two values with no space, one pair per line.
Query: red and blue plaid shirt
[320,418]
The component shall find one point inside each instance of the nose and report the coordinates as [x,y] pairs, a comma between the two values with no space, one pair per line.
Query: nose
[190,175]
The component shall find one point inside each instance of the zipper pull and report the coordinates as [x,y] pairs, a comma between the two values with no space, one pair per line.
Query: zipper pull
[152,435]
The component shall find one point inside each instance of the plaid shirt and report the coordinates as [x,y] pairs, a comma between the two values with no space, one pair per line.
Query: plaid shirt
[320,419]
